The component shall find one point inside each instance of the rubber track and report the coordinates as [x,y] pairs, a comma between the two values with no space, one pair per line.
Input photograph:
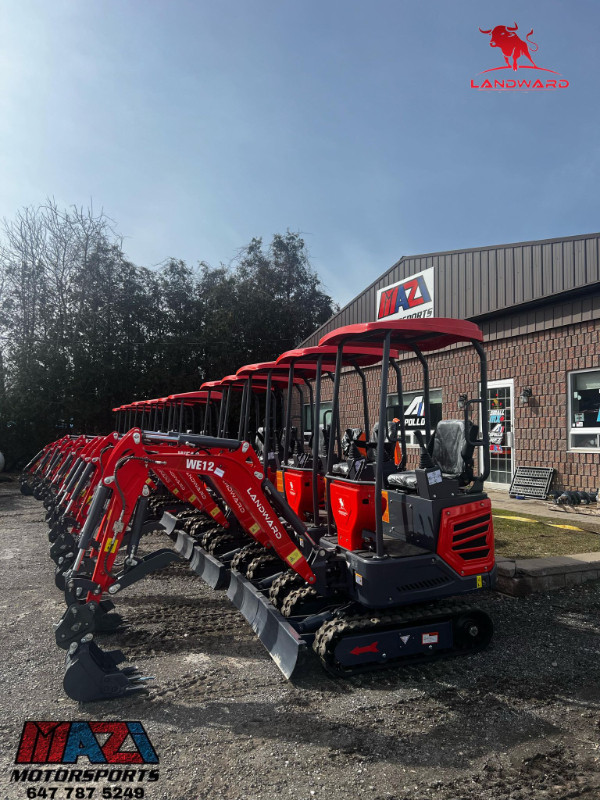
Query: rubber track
[241,561]
[332,632]
[292,605]
[282,586]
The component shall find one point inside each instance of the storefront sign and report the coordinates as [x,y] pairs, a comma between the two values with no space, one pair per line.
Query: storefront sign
[410,298]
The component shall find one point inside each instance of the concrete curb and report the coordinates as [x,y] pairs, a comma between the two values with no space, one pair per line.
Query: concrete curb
[523,576]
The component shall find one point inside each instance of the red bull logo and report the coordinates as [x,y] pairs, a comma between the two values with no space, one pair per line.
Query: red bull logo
[513,48]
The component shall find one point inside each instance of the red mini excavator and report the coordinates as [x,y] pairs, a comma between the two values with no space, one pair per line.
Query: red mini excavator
[366,574]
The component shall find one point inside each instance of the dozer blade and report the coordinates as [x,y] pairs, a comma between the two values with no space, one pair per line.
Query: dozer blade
[168,522]
[208,568]
[284,644]
[184,544]
[93,674]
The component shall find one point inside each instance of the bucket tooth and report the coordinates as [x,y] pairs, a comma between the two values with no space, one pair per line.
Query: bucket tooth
[283,642]
[93,674]
[108,623]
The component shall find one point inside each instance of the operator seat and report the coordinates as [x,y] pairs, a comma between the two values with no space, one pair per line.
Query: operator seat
[350,451]
[450,449]
[294,449]
[355,448]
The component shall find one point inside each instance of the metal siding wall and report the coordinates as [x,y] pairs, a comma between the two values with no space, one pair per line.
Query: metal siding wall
[509,265]
[439,304]
[591,252]
[527,267]
[557,274]
[500,278]
[462,286]
[473,283]
[580,278]
[568,263]
[537,270]
[548,282]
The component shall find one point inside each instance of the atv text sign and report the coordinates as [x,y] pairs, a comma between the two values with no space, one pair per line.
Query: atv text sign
[66,742]
[410,298]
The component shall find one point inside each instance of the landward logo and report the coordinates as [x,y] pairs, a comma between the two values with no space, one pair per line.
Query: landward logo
[513,48]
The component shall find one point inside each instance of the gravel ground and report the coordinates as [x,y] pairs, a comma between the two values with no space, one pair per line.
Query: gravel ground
[518,721]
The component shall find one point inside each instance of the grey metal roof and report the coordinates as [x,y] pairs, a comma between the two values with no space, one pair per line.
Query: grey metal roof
[483,282]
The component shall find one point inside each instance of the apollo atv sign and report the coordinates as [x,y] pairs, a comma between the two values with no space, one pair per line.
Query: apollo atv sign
[414,416]
[410,298]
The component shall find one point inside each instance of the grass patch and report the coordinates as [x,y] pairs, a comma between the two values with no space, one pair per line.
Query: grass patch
[537,539]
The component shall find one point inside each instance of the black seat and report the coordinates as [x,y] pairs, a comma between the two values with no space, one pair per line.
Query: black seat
[450,449]
[259,442]
[350,451]
[389,442]
[293,446]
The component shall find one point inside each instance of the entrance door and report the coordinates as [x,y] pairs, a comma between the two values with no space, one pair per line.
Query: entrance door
[500,418]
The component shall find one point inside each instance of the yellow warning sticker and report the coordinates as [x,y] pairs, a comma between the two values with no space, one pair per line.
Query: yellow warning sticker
[386,507]
[175,491]
[479,581]
[215,511]
[255,528]
[112,549]
[192,498]
[518,519]
[566,527]
[148,481]
[294,556]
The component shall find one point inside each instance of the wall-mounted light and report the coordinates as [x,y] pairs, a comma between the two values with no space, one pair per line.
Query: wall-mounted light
[525,396]
[462,400]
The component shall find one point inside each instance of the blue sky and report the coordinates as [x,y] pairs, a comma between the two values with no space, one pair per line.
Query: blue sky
[198,124]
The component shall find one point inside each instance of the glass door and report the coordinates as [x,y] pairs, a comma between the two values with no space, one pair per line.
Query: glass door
[500,425]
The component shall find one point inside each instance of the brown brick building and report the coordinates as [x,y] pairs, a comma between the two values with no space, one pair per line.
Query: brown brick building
[538,304]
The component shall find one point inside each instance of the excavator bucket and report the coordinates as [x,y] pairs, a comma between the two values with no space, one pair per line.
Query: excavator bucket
[93,674]
[284,644]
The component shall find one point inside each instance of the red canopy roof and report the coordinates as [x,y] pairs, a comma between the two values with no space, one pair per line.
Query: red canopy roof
[259,382]
[210,384]
[199,396]
[433,333]
[306,358]
[261,369]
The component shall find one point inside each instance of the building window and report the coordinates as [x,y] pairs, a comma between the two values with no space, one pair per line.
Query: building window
[584,410]
[325,411]
[414,416]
